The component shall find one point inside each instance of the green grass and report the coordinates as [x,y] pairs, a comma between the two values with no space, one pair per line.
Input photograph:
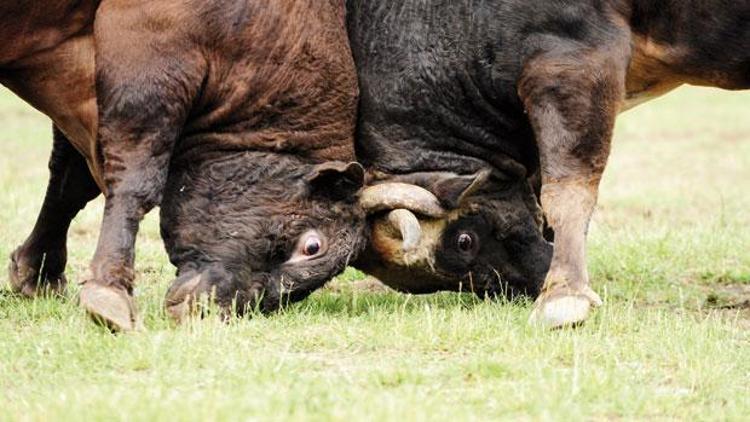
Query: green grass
[668,252]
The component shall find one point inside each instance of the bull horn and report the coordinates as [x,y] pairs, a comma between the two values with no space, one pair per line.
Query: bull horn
[392,196]
[408,225]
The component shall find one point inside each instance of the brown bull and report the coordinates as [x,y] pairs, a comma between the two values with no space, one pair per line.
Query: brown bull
[237,116]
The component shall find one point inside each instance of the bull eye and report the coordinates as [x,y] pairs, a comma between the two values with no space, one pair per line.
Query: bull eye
[312,246]
[465,242]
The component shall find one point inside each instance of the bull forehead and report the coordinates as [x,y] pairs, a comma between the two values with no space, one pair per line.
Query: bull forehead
[387,242]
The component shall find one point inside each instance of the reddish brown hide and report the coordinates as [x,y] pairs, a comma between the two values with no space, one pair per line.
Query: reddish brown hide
[237,116]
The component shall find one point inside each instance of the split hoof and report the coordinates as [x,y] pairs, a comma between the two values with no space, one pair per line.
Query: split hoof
[110,306]
[564,308]
[181,297]
[24,280]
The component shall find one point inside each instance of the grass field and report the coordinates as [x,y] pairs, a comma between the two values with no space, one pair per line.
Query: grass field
[669,252]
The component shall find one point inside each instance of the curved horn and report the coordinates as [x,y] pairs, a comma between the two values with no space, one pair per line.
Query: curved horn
[408,225]
[392,196]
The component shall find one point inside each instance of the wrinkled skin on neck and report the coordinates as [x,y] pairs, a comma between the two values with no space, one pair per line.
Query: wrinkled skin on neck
[232,225]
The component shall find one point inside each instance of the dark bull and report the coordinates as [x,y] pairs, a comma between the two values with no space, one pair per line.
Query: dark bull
[526,92]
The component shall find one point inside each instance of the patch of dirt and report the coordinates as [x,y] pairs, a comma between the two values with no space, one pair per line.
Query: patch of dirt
[728,296]
[730,302]
[734,137]
[731,137]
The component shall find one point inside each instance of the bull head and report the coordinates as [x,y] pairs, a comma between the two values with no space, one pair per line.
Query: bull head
[403,200]
[443,231]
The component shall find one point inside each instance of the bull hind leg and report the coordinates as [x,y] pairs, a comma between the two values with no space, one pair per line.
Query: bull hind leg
[572,100]
[38,265]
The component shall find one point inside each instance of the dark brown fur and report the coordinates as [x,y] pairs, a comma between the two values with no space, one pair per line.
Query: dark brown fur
[150,93]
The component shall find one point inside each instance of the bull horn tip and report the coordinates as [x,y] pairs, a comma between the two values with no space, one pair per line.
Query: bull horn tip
[408,225]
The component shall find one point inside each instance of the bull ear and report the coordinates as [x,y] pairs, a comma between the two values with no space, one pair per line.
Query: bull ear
[336,179]
[453,190]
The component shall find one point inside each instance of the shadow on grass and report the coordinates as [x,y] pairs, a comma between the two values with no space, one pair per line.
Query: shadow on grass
[355,304]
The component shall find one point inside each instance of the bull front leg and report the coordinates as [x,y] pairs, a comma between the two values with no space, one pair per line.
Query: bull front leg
[38,265]
[135,172]
[572,99]
[144,95]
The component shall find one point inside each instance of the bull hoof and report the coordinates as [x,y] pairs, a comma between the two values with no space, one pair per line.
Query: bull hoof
[180,300]
[563,309]
[110,306]
[24,279]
